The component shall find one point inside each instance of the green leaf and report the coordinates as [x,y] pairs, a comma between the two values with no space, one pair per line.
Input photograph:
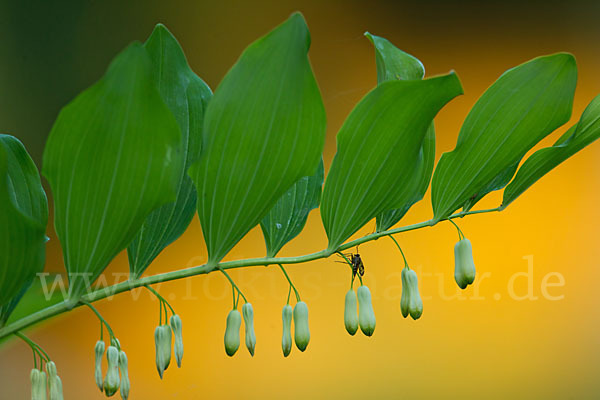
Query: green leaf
[24,184]
[419,182]
[394,64]
[378,148]
[37,295]
[586,131]
[288,216]
[22,222]
[522,107]
[264,129]
[187,96]
[113,156]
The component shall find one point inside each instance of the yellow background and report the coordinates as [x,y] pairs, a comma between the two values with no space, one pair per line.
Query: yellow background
[485,345]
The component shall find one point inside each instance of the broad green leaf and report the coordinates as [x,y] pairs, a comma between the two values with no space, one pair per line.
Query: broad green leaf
[187,96]
[419,182]
[264,129]
[522,107]
[7,309]
[378,147]
[287,217]
[38,295]
[113,156]
[22,233]
[24,184]
[394,64]
[586,131]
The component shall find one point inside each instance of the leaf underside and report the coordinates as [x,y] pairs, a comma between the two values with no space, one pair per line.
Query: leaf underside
[23,219]
[264,129]
[113,156]
[187,96]
[522,107]
[287,217]
[586,131]
[394,64]
[378,146]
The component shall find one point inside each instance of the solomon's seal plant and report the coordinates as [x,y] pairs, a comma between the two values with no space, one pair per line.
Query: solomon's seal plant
[464,269]
[99,353]
[125,385]
[248,314]
[232,332]
[112,380]
[162,344]
[366,315]
[133,158]
[301,331]
[286,339]
[410,302]
[350,313]
[175,323]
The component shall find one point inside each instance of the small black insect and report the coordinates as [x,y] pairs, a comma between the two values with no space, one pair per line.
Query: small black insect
[357,264]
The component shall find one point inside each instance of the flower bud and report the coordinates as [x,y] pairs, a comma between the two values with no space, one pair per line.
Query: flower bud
[38,384]
[99,351]
[301,331]
[411,302]
[178,346]
[115,342]
[286,340]
[125,385]
[248,314]
[366,315]
[34,376]
[232,332]
[112,379]
[162,342]
[51,369]
[464,267]
[350,313]
[54,382]
[56,391]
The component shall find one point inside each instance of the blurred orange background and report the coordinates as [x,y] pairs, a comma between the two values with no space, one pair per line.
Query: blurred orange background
[512,334]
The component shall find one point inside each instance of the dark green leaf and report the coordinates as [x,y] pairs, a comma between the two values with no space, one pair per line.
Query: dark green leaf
[379,146]
[522,107]
[24,182]
[39,295]
[264,129]
[419,181]
[113,156]
[394,64]
[22,222]
[187,96]
[288,216]
[543,161]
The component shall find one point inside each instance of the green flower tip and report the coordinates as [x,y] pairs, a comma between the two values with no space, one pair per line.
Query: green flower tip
[410,302]
[464,267]
[366,315]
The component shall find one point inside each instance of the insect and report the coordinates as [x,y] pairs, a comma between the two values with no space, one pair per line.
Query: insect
[356,263]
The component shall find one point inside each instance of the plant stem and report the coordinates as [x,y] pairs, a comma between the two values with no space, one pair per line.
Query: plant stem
[35,347]
[290,282]
[128,285]
[102,320]
[233,285]
[461,235]
[159,297]
[401,252]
